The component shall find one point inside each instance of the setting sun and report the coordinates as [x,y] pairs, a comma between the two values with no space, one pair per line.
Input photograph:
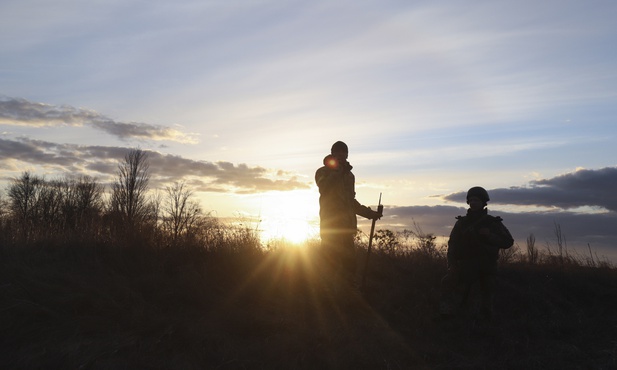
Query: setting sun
[291,216]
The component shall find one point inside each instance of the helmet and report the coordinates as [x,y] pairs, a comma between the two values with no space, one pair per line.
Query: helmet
[480,192]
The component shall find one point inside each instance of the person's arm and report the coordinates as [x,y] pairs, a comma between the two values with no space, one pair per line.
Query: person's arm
[497,235]
[358,208]
[365,211]
[454,243]
[501,237]
[325,178]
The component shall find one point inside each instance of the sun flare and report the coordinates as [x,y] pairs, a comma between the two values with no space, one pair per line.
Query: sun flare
[291,216]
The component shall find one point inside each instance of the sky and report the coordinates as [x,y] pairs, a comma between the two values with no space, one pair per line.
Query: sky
[243,99]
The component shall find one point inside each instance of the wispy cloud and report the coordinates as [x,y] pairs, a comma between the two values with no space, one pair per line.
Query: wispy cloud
[103,161]
[21,112]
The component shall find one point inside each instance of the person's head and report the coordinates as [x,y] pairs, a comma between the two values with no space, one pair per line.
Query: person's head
[340,150]
[477,198]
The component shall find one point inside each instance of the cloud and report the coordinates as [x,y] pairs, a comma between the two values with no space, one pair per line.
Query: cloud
[592,188]
[35,152]
[164,168]
[223,176]
[21,112]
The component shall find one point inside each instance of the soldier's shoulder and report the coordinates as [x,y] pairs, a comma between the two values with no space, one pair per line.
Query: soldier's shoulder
[495,218]
[320,173]
[321,169]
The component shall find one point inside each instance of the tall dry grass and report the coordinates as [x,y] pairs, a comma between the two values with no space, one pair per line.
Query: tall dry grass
[233,304]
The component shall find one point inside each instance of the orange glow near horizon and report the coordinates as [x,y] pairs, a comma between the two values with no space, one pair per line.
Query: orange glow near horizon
[290,216]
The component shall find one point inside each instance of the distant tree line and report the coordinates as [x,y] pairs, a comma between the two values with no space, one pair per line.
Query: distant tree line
[78,209]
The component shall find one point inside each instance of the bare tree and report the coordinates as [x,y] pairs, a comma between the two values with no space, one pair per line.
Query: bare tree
[23,196]
[4,206]
[48,208]
[180,213]
[532,250]
[4,216]
[82,202]
[128,198]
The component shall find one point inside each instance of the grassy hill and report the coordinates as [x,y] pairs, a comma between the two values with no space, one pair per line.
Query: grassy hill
[99,306]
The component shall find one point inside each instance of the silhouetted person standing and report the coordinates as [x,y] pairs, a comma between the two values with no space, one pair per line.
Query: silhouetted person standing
[338,208]
[473,250]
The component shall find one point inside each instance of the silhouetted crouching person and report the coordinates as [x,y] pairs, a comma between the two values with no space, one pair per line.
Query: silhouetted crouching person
[338,208]
[473,250]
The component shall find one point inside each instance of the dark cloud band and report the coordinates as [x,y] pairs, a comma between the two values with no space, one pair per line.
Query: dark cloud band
[581,188]
[207,176]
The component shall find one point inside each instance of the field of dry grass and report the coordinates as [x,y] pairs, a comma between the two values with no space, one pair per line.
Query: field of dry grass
[106,307]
